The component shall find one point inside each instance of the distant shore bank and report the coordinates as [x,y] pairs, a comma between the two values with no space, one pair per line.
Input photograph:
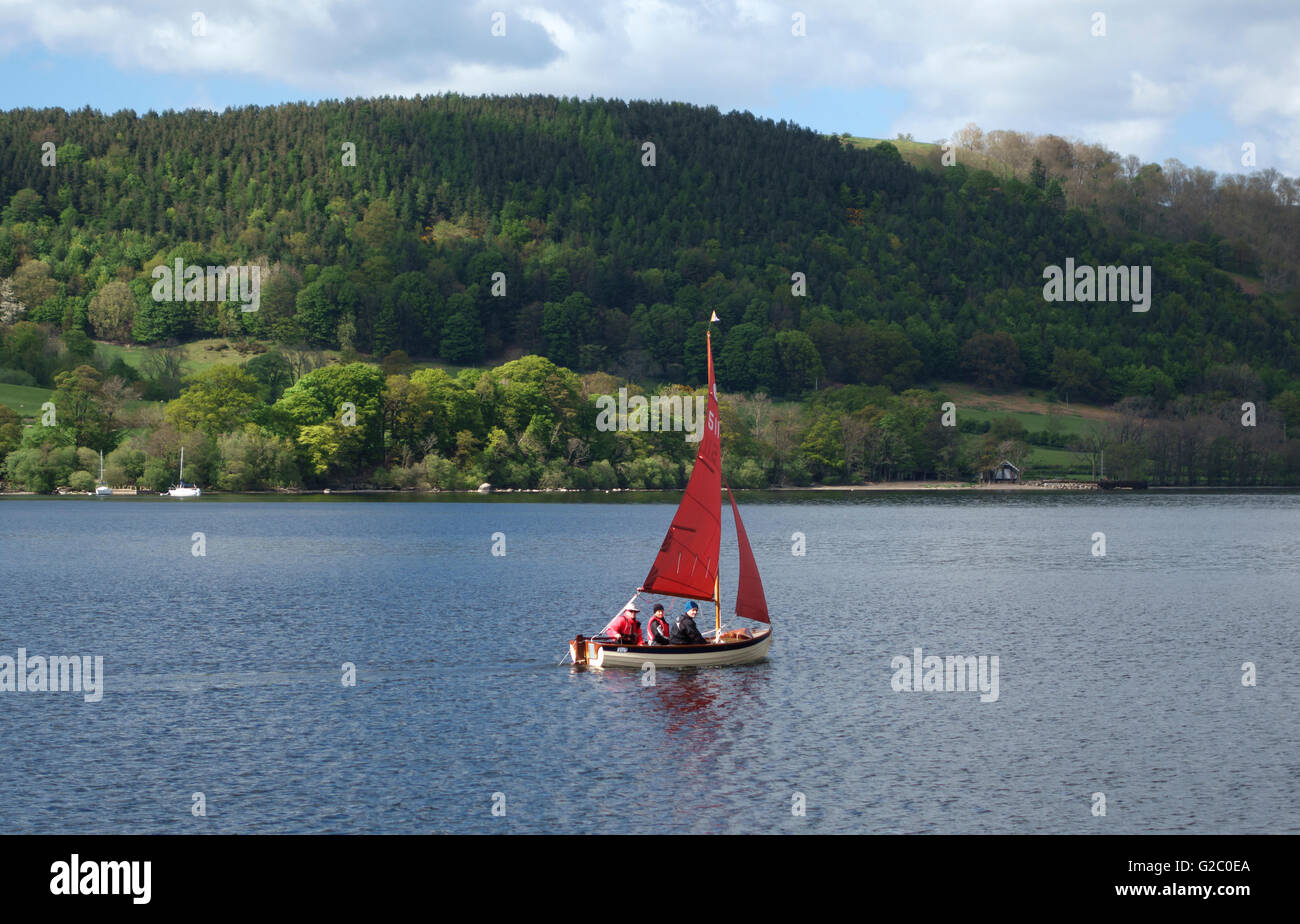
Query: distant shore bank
[879,487]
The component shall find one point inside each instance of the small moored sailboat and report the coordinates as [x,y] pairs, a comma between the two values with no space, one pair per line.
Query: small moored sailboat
[687,566]
[181,489]
[101,489]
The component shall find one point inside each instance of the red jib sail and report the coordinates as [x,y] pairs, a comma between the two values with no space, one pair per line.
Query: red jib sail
[687,562]
[750,602]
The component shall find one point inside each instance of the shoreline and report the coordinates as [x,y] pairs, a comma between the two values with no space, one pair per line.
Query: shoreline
[943,487]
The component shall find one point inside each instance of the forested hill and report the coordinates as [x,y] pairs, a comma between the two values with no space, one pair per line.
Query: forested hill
[609,263]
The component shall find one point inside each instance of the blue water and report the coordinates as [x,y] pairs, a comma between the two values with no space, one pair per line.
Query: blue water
[1119,675]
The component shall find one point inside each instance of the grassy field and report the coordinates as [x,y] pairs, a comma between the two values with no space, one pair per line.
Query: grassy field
[25,400]
[1044,463]
[1064,423]
[196,356]
[1034,412]
[1031,409]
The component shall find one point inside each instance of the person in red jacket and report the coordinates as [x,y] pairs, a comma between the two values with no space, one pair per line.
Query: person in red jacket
[660,631]
[625,627]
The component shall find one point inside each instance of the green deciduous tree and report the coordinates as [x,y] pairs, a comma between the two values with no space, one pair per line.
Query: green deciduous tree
[253,460]
[324,303]
[112,312]
[33,283]
[348,398]
[217,400]
[823,447]
[41,467]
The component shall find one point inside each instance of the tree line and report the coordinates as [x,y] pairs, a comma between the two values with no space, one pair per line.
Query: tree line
[293,420]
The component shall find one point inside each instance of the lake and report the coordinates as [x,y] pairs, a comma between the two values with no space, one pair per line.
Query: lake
[1118,675]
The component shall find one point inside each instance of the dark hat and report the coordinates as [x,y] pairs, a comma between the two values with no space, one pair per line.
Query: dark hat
[692,605]
[659,607]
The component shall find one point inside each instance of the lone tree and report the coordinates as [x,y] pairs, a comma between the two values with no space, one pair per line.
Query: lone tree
[112,312]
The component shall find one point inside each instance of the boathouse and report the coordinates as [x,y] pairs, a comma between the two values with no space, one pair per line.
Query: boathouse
[1005,473]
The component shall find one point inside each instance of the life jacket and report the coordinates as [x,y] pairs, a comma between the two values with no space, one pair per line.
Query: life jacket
[664,631]
[626,626]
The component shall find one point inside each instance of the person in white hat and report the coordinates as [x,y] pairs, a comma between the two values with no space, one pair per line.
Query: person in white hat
[625,627]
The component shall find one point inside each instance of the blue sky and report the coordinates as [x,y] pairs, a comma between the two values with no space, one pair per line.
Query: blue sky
[1191,80]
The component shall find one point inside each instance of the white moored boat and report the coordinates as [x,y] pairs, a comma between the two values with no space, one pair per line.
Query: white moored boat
[687,567]
[101,489]
[181,489]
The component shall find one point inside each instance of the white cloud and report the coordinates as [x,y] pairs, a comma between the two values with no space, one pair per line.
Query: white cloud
[1149,96]
[1143,136]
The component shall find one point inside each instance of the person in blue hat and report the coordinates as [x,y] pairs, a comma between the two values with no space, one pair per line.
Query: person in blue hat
[684,630]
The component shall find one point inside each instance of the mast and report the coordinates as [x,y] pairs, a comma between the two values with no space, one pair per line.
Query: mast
[687,563]
[180,480]
[717,610]
[717,577]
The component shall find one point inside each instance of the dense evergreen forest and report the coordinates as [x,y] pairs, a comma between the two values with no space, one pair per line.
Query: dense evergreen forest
[599,236]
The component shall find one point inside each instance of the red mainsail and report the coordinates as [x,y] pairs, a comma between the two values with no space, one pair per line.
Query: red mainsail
[750,602]
[687,563]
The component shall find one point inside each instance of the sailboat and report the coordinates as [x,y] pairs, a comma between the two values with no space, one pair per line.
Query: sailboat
[101,489]
[181,489]
[687,567]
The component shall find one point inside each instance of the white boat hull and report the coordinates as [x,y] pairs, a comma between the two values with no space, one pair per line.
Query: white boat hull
[601,654]
[184,492]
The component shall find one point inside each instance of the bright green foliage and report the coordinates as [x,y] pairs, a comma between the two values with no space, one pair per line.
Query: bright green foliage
[823,446]
[216,400]
[329,447]
[340,415]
